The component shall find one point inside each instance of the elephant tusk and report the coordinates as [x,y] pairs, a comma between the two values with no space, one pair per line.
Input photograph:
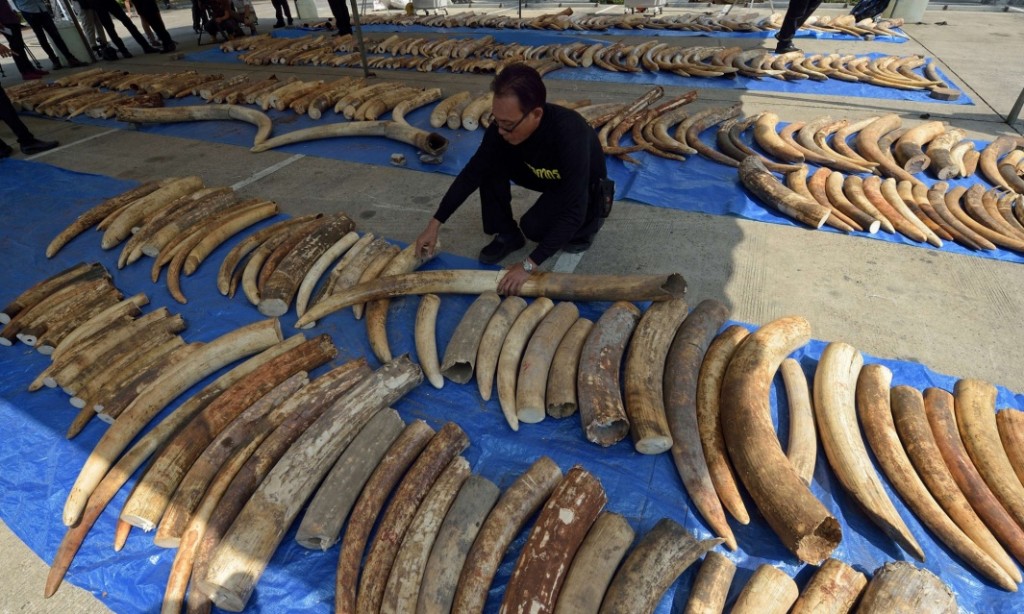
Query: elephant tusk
[511,354]
[410,104]
[516,505]
[461,352]
[534,368]
[699,122]
[241,217]
[947,204]
[561,391]
[756,178]
[874,411]
[802,449]
[853,190]
[556,286]
[134,214]
[315,272]
[93,281]
[102,321]
[286,236]
[796,181]
[190,210]
[561,526]
[39,291]
[835,587]
[1010,423]
[406,261]
[711,586]
[899,587]
[988,161]
[911,423]
[818,187]
[97,214]
[431,143]
[373,270]
[768,591]
[972,200]
[655,563]
[250,243]
[909,149]
[346,273]
[916,199]
[939,151]
[594,565]
[602,412]
[491,341]
[869,146]
[224,112]
[439,116]
[426,339]
[800,520]
[871,188]
[768,139]
[835,410]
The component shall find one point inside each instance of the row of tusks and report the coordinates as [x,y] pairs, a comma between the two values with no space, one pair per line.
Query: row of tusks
[177,221]
[952,459]
[484,55]
[693,22]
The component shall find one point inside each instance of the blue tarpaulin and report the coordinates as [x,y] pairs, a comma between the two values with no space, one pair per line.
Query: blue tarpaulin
[38,466]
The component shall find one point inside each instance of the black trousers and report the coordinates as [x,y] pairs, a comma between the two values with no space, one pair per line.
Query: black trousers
[149,11]
[17,44]
[105,9]
[281,6]
[10,117]
[42,24]
[796,15]
[496,211]
[341,16]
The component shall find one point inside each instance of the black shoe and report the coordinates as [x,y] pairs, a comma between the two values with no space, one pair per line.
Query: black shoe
[57,65]
[290,21]
[125,53]
[168,48]
[785,48]
[579,245]
[76,63]
[150,49]
[36,146]
[5,150]
[502,245]
[279,24]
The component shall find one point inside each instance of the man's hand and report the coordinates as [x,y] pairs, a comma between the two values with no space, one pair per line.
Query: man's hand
[512,282]
[426,243]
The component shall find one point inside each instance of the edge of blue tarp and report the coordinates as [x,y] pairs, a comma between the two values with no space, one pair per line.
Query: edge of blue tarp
[38,467]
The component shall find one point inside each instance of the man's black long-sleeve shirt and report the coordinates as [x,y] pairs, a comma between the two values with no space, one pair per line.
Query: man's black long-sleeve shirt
[562,158]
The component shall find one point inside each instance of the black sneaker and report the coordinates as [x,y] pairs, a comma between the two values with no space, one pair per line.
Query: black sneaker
[785,48]
[502,245]
[279,24]
[36,146]
[5,150]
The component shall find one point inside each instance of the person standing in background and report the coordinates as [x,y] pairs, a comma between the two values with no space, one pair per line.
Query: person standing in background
[30,145]
[10,25]
[38,16]
[341,17]
[796,14]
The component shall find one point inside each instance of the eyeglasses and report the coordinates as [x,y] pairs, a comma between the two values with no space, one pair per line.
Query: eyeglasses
[506,128]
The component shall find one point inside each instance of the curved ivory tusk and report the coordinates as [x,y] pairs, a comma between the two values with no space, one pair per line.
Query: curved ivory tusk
[1010,423]
[315,272]
[853,189]
[645,370]
[797,181]
[92,281]
[426,97]
[868,146]
[244,215]
[373,270]
[901,587]
[351,266]
[916,197]
[682,369]
[768,139]
[976,419]
[602,412]
[461,352]
[939,151]
[711,587]
[406,261]
[834,183]
[594,565]
[756,178]
[909,149]
[139,210]
[560,395]
[95,215]
[506,519]
[439,116]
[938,405]
[511,353]
[871,187]
[835,410]
[175,220]
[29,298]
[699,122]
[491,341]
[281,251]
[891,193]
[222,112]
[240,558]
[655,563]
[800,520]
[218,353]
[281,287]
[802,449]
[556,286]
[471,114]
[531,383]
[873,408]
[429,142]
[834,588]
[912,426]
[768,591]
[561,526]
[127,308]
[254,267]
[709,388]
[250,243]
[988,161]
[426,339]
[130,462]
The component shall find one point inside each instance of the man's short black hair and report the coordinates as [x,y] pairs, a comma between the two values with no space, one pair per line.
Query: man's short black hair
[524,83]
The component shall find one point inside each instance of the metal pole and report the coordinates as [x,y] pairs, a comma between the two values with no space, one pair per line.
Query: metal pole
[1015,111]
[520,9]
[358,29]
[66,8]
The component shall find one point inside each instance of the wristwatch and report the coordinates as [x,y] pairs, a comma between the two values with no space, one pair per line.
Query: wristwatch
[528,265]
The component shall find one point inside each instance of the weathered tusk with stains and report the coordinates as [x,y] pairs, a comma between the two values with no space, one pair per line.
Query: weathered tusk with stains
[890,193]
[439,116]
[912,426]
[602,412]
[69,345]
[871,188]
[253,269]
[768,139]
[909,149]
[874,410]
[406,261]
[988,162]
[939,151]
[218,353]
[556,286]
[561,527]
[644,373]
[938,406]
[346,273]
[431,143]
[315,272]
[1010,423]
[709,387]
[426,339]
[853,189]
[868,145]
[462,349]
[834,588]
[94,280]
[711,587]
[139,210]
[41,290]
[797,181]
[561,391]
[250,243]
[175,220]
[503,523]
[236,219]
[594,565]
[531,383]
[511,354]
[221,112]
[901,587]
[657,561]
[800,520]
[802,449]
[241,556]
[97,214]
[835,410]
[756,178]
[373,271]
[768,591]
